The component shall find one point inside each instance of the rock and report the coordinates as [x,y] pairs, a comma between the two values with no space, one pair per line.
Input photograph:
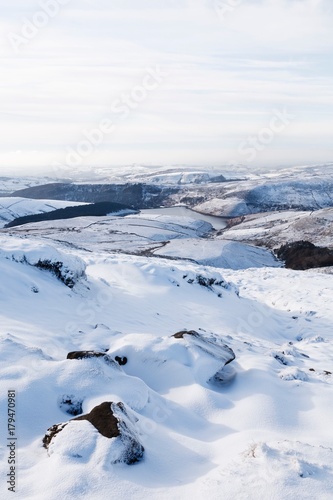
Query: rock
[180,335]
[214,346]
[71,404]
[121,360]
[205,281]
[223,376]
[51,433]
[112,422]
[103,419]
[85,354]
[68,276]
[92,354]
[280,358]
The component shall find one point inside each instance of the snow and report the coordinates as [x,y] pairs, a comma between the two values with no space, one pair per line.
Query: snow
[264,433]
[70,267]
[12,208]
[219,253]
[11,184]
[227,382]
[273,229]
[161,235]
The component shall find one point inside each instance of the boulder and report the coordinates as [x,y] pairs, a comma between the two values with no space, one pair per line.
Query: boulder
[78,438]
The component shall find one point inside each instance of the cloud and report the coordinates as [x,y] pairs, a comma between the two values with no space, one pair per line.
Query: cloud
[225,77]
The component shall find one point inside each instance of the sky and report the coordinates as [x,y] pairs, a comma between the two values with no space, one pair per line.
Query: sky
[164,82]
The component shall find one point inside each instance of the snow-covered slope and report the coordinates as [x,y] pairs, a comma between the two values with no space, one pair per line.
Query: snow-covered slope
[10,184]
[202,424]
[153,357]
[219,253]
[250,197]
[160,235]
[12,208]
[276,228]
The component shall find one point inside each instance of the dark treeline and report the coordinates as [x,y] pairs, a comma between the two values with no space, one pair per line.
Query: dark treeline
[94,209]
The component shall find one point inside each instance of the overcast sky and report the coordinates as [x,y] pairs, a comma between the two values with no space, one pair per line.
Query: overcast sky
[197,82]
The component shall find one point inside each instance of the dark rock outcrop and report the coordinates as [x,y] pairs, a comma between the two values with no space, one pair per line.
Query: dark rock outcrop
[121,360]
[113,422]
[51,433]
[85,354]
[93,354]
[71,404]
[62,273]
[180,335]
[103,419]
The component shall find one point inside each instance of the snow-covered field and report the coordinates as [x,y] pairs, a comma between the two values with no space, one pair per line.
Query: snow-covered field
[200,423]
[159,235]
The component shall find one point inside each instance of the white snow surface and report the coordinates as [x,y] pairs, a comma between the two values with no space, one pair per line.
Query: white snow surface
[161,235]
[273,229]
[219,253]
[263,434]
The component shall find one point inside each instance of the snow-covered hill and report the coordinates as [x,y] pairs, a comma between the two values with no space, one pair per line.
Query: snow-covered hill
[10,184]
[152,356]
[12,208]
[209,191]
[154,235]
[258,427]
[276,228]
[218,253]
[249,197]
[164,335]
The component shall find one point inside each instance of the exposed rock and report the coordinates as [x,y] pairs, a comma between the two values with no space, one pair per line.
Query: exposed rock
[180,335]
[62,272]
[85,354]
[51,433]
[121,360]
[223,376]
[280,358]
[205,281]
[103,419]
[112,421]
[93,354]
[71,404]
[214,346]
